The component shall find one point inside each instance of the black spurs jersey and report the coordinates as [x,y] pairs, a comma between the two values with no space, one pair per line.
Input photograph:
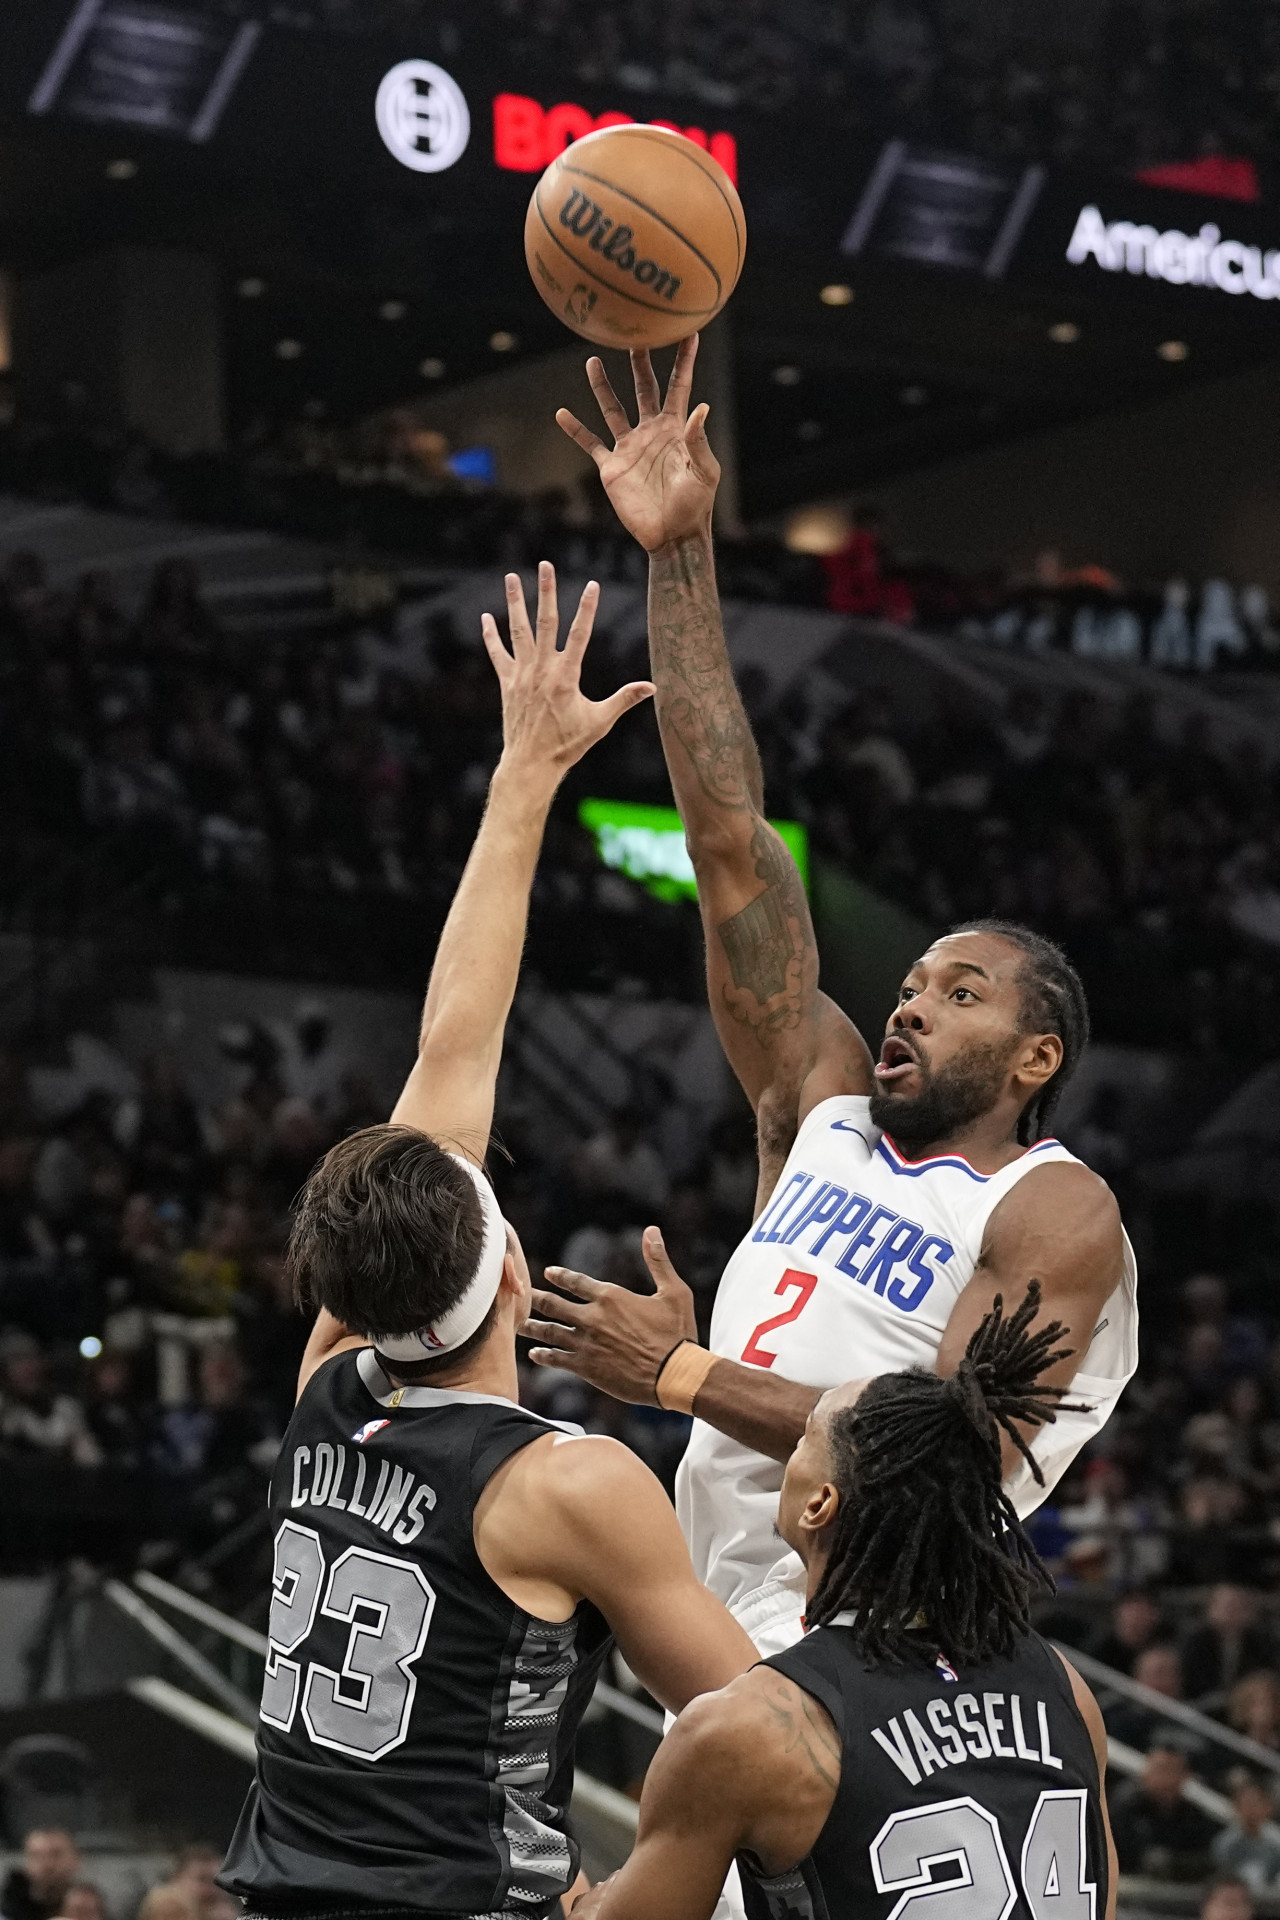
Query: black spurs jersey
[965,1794]
[415,1745]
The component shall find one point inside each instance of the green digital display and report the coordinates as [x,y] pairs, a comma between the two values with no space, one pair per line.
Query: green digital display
[647,844]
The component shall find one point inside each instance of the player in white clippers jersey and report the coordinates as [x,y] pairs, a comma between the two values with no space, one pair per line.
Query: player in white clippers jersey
[897,1198]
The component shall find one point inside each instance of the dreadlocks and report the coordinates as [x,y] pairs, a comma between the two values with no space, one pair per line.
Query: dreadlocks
[924,1526]
[1053,1001]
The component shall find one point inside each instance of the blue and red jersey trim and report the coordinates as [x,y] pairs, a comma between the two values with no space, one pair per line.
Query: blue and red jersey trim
[914,1168]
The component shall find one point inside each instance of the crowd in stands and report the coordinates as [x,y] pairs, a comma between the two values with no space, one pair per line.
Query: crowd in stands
[49,1882]
[1124,84]
[387,484]
[210,777]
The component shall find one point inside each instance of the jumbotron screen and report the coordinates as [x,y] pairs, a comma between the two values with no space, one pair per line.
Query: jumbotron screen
[648,845]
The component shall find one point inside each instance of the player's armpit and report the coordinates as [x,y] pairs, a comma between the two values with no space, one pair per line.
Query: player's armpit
[1061,1226]
[605,1530]
[754,1768]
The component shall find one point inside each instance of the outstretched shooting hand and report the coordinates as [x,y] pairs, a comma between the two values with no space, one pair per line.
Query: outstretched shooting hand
[661,474]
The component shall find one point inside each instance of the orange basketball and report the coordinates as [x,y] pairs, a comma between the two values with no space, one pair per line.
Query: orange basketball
[635,237]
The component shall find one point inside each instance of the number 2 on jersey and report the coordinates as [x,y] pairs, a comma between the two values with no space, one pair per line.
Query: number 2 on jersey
[753,1353]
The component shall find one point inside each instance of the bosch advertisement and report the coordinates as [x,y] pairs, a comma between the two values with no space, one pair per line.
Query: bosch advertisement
[456,141]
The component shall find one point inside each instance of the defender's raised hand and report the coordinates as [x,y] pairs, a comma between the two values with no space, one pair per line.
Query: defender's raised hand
[547,720]
[661,475]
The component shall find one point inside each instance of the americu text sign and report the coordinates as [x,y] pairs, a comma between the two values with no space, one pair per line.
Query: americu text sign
[1200,259]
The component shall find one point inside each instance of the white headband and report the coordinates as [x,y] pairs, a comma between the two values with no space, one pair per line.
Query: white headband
[462,1319]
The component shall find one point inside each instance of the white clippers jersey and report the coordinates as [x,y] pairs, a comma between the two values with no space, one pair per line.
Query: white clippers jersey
[853,1269]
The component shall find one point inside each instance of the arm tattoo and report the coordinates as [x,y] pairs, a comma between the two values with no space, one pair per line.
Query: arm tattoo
[770,945]
[698,702]
[807,1732]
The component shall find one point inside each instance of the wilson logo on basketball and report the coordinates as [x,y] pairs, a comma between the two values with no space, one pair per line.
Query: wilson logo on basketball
[589,222]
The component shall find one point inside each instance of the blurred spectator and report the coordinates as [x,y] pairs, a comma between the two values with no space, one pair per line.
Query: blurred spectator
[1158,1667]
[1230,1642]
[160,1128]
[169,1903]
[83,1901]
[313,1065]
[1157,1832]
[1253,1707]
[1228,1900]
[194,1878]
[34,1416]
[36,1889]
[1136,1622]
[621,1163]
[1244,1848]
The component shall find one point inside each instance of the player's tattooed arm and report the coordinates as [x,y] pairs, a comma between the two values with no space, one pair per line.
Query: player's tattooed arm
[788,1045]
[700,709]
[804,1729]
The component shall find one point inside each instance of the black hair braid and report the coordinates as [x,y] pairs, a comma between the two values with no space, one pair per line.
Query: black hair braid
[924,1530]
[1053,1001]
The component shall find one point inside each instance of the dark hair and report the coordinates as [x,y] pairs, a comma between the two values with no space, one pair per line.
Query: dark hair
[387,1234]
[1053,1001]
[924,1526]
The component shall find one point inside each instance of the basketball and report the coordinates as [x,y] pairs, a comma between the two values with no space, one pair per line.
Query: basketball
[635,237]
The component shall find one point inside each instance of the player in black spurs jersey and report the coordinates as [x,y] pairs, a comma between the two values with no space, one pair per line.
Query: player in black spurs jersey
[921,1754]
[449,1569]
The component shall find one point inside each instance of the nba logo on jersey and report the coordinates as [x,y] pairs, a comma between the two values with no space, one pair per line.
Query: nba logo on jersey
[367,1431]
[947,1671]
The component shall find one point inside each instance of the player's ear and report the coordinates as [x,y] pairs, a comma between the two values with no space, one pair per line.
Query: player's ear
[515,1271]
[1040,1059]
[820,1509]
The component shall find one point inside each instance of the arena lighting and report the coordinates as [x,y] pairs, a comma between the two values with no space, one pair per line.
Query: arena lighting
[1174,350]
[1180,259]
[90,1347]
[647,844]
[502,341]
[817,530]
[1064,333]
[121,170]
[528,136]
[836,295]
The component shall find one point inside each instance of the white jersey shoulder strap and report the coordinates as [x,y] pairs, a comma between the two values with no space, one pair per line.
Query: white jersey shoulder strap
[984,1199]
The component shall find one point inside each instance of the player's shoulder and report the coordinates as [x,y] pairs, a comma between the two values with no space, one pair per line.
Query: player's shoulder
[584,1472]
[1061,1189]
[767,1717]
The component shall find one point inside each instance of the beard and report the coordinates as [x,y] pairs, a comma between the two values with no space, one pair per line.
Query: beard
[952,1098]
